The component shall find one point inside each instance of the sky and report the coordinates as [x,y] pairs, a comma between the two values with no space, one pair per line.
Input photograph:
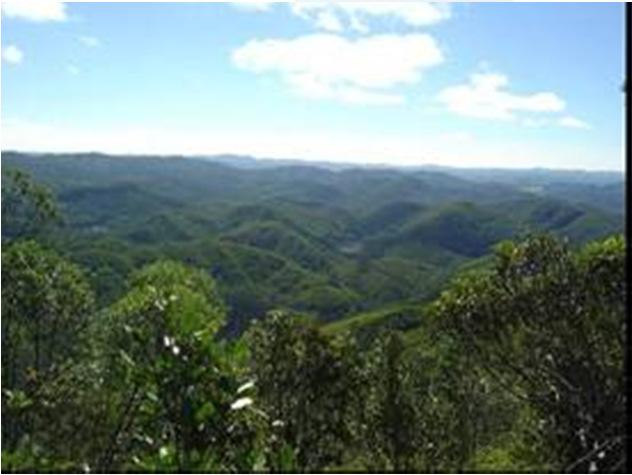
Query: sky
[512,85]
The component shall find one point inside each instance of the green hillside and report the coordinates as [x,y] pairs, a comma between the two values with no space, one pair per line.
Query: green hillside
[326,242]
[248,332]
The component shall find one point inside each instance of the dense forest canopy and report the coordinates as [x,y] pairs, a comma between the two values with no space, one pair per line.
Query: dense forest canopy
[321,241]
[186,315]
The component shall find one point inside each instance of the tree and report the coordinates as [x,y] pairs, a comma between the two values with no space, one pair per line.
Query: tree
[173,386]
[307,387]
[46,304]
[422,405]
[27,207]
[394,437]
[549,326]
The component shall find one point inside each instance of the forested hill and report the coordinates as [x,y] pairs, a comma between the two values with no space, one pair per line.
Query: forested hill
[138,333]
[326,241]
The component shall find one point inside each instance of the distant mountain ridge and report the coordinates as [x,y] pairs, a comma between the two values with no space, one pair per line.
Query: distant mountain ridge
[472,173]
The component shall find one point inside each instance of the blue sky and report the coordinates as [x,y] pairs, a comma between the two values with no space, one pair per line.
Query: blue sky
[406,83]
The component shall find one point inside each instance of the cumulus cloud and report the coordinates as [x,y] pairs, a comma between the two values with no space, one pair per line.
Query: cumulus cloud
[572,122]
[357,14]
[35,10]
[486,97]
[12,54]
[89,41]
[326,66]
[326,20]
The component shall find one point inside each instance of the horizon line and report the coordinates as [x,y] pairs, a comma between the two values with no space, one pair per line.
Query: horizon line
[324,161]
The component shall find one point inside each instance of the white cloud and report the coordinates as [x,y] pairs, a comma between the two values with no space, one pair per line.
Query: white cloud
[12,54]
[358,13]
[89,41]
[325,66]
[485,97]
[568,121]
[572,122]
[35,10]
[73,70]
[326,20]
[357,25]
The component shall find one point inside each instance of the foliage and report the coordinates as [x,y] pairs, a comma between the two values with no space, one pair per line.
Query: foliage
[308,386]
[172,381]
[549,326]
[46,305]
[26,206]
[517,366]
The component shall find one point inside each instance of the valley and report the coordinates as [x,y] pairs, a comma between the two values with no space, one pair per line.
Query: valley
[327,241]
